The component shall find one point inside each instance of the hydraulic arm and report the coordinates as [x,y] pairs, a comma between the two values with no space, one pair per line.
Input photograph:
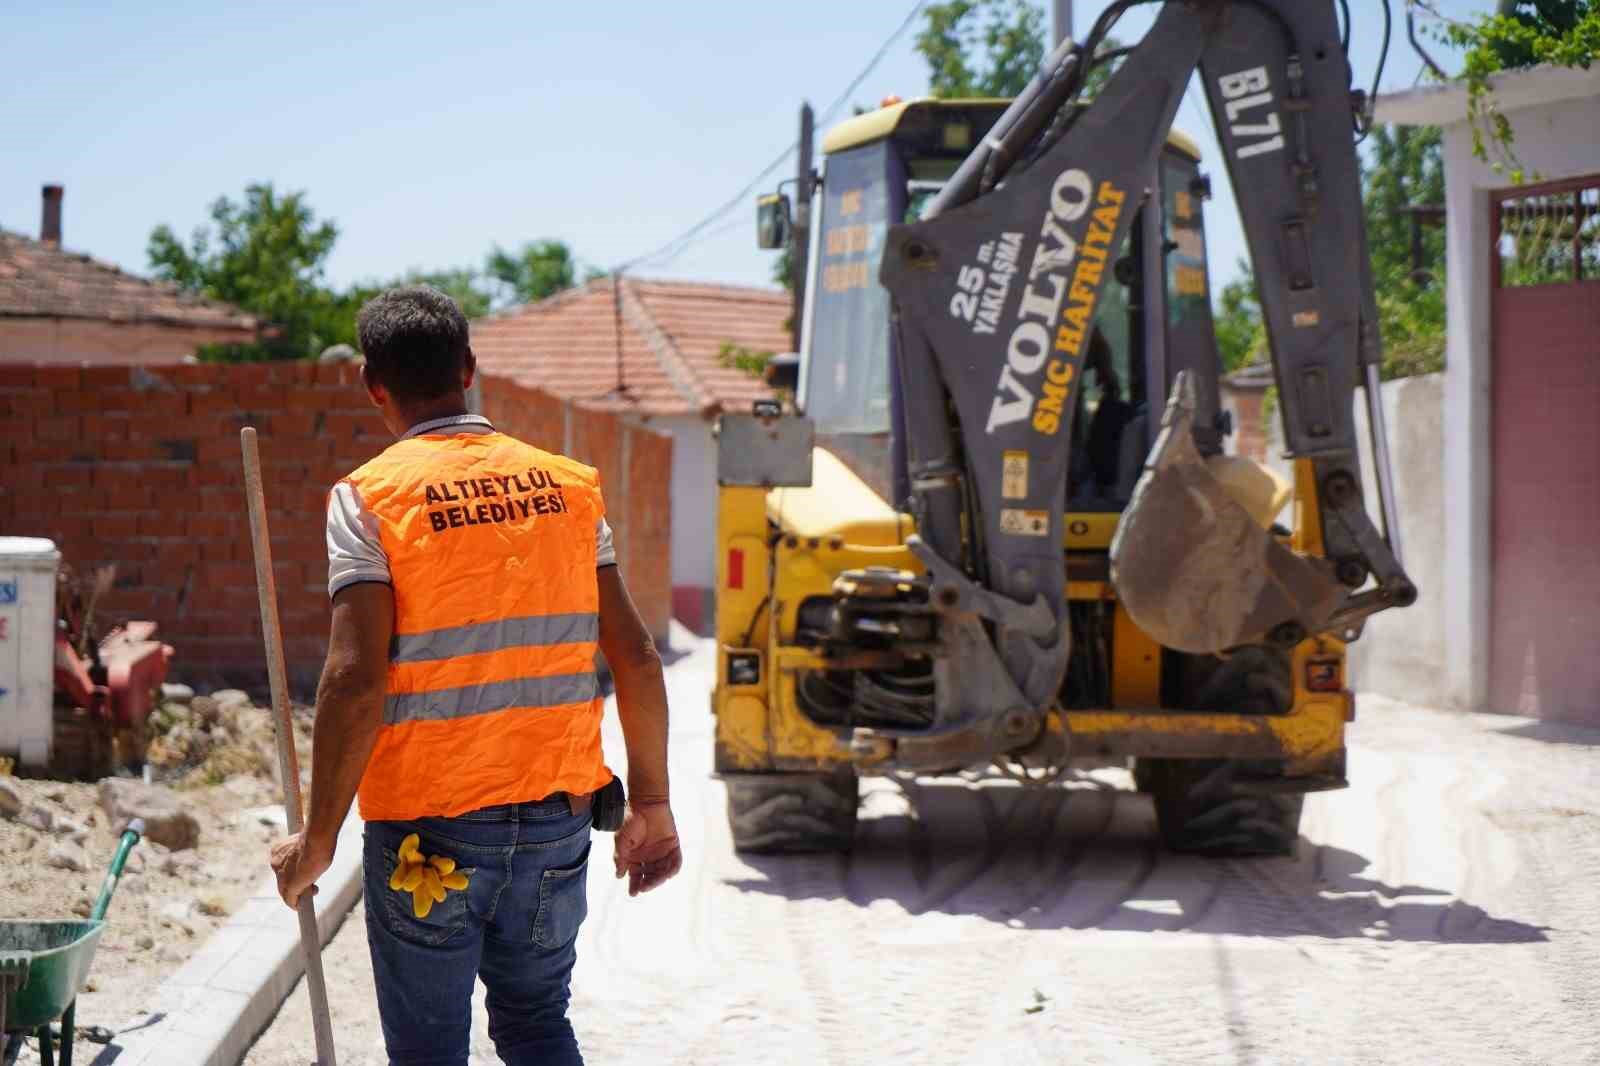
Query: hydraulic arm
[984,411]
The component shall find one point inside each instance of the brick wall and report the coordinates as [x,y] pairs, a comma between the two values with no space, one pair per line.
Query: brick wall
[141,467]
[1249,421]
[635,466]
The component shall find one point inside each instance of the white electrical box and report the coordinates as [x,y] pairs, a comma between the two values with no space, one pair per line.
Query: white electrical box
[28,567]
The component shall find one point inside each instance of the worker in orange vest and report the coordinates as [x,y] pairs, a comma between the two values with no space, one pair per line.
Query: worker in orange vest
[473,579]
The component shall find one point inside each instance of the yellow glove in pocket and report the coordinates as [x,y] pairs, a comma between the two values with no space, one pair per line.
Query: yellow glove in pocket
[427,879]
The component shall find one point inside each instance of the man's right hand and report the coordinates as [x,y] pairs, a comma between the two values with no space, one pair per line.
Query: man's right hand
[647,847]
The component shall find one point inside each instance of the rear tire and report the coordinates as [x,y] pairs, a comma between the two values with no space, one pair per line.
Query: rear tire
[792,813]
[1208,806]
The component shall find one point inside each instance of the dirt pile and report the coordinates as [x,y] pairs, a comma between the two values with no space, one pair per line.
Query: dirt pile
[206,740]
[209,790]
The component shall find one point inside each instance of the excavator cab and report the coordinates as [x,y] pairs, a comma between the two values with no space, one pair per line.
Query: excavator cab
[887,166]
[999,529]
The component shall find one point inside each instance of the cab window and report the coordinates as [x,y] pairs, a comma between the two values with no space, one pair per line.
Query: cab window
[847,369]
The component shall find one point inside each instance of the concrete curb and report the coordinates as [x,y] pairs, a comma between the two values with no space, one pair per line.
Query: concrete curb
[214,1007]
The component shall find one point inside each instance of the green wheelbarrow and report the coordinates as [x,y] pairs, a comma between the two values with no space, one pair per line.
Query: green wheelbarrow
[43,964]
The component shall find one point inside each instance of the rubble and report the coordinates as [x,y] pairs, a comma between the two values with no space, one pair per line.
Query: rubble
[37,817]
[176,915]
[180,864]
[231,697]
[212,906]
[210,740]
[270,816]
[56,871]
[67,856]
[165,822]
[66,827]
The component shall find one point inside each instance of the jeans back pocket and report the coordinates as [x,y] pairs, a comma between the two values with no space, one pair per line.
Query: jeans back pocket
[563,903]
[445,919]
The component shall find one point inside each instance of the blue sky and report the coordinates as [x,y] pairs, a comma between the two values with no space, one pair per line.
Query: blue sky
[431,132]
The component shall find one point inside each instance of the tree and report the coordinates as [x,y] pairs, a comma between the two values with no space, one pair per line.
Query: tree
[537,270]
[982,47]
[462,284]
[1521,33]
[1402,168]
[1405,168]
[1237,320]
[977,48]
[264,254]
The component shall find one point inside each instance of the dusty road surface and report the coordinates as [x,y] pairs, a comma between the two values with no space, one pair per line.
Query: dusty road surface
[1445,909]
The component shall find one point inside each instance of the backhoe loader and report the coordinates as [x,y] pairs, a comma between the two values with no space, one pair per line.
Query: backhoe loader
[996,527]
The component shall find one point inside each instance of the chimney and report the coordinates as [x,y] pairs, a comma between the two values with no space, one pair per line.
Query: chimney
[50,222]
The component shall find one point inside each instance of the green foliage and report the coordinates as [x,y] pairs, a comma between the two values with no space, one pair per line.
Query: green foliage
[462,284]
[1522,34]
[536,270]
[1405,167]
[783,268]
[1411,320]
[264,254]
[1240,334]
[738,357]
[980,48]
[1402,167]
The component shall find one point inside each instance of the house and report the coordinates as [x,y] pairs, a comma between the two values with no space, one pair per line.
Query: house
[653,351]
[1517,439]
[58,306]
[1243,396]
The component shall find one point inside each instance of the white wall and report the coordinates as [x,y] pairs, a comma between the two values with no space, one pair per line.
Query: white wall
[1402,652]
[694,500]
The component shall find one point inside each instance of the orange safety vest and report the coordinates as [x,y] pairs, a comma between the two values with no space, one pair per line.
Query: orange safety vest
[492,694]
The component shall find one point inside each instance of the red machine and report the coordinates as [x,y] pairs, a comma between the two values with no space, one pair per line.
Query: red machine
[106,690]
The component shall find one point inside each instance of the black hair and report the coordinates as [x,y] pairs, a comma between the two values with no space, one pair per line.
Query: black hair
[415,342]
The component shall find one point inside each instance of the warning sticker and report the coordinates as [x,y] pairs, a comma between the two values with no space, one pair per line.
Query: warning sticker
[1022,523]
[1014,475]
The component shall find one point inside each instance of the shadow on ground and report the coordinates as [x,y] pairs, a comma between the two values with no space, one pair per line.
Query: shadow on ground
[1555,733]
[1089,857]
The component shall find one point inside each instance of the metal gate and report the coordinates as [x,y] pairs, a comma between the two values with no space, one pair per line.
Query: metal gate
[1545,445]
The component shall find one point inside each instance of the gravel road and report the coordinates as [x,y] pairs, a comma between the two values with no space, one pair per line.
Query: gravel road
[1445,909]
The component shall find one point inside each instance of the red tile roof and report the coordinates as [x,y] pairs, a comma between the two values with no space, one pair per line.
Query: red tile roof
[672,332]
[41,280]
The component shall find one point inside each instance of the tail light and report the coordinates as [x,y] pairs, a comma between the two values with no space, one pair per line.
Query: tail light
[1324,675]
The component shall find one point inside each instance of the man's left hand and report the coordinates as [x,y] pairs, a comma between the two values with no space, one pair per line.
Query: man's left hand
[298,865]
[647,849]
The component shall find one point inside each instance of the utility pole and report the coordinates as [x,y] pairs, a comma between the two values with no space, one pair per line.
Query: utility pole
[800,232]
[1061,27]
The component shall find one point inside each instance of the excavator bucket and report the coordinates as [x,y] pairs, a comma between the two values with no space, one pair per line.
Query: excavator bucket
[1196,570]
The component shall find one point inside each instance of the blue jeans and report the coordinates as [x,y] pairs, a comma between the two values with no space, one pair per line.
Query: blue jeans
[515,925]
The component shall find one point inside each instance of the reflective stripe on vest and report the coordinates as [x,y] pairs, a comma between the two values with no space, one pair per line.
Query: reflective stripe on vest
[492,696]
[493,636]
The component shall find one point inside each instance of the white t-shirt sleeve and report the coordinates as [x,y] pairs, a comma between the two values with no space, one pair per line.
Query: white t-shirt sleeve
[605,553]
[355,552]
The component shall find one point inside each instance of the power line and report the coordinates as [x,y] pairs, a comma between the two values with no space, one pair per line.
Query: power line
[696,233]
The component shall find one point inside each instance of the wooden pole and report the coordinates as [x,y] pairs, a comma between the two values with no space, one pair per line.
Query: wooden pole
[283,727]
